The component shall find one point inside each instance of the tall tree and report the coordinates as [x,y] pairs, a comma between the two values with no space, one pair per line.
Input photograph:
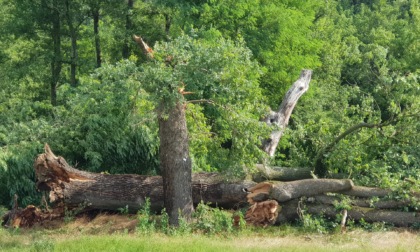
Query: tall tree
[128,28]
[56,60]
[209,72]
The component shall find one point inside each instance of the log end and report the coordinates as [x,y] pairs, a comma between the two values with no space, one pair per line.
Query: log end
[262,213]
[259,192]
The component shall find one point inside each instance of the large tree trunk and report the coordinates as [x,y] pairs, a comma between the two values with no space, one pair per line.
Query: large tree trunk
[74,188]
[175,164]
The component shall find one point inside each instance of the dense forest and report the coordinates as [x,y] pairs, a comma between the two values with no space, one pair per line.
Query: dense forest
[73,77]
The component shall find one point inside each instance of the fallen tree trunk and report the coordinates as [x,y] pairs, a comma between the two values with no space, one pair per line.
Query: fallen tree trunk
[285,191]
[292,211]
[70,189]
[378,203]
[76,188]
[265,172]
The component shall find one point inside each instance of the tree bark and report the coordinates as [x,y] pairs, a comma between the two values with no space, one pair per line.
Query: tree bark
[175,164]
[75,188]
[379,203]
[280,118]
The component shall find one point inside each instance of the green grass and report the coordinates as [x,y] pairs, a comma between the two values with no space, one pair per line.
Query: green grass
[272,239]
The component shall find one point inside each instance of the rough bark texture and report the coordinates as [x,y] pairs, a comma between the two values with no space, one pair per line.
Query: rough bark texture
[366,192]
[175,164]
[74,188]
[280,118]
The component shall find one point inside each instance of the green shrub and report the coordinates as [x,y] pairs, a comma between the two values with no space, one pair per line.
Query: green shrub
[146,224]
[211,220]
[17,174]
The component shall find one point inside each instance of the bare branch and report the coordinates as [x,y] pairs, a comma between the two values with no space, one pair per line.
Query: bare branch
[281,117]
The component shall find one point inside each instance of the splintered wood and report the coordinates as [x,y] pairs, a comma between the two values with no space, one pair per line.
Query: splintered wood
[259,192]
[262,212]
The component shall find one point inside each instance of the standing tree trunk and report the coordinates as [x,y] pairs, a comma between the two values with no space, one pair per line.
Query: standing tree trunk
[281,117]
[56,61]
[73,38]
[128,28]
[175,164]
[95,14]
[174,156]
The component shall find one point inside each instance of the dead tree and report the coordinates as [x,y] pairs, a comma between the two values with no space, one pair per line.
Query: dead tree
[280,118]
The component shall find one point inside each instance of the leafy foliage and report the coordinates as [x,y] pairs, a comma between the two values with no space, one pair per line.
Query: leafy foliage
[223,95]
[107,119]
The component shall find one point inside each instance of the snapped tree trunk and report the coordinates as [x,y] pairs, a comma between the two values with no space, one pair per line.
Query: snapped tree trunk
[175,164]
[285,191]
[280,118]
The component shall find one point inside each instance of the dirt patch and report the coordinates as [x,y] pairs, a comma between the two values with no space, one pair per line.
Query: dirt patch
[104,223]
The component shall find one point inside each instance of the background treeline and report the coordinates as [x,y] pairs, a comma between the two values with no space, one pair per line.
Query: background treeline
[70,77]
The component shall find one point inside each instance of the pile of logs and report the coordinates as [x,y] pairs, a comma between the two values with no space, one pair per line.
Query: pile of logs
[268,203]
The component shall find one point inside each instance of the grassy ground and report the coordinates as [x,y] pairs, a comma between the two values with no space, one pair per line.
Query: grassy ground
[117,233]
